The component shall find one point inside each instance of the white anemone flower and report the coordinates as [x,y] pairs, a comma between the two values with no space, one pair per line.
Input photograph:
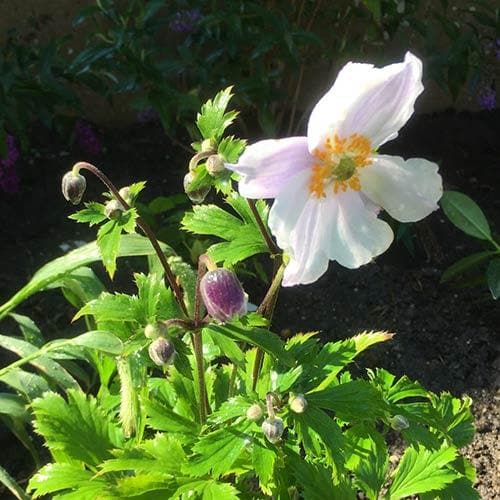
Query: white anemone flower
[330,186]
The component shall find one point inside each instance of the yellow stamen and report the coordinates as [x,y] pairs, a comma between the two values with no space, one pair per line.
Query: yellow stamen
[337,164]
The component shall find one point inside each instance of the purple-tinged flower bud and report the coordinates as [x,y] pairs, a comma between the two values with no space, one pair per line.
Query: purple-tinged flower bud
[215,164]
[298,403]
[161,352]
[273,429]
[223,295]
[399,423]
[255,412]
[113,209]
[73,186]
[197,195]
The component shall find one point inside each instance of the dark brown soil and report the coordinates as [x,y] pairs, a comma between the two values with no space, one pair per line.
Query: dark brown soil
[447,337]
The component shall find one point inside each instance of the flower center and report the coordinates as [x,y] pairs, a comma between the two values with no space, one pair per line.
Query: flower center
[337,164]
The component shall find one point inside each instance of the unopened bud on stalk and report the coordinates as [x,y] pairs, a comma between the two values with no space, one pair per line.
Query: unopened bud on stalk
[125,194]
[223,295]
[73,186]
[197,195]
[154,331]
[254,413]
[298,403]
[273,429]
[207,145]
[161,352]
[113,209]
[214,165]
[399,423]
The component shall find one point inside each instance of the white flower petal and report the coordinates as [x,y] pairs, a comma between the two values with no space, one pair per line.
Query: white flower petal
[356,234]
[408,190]
[374,102]
[266,166]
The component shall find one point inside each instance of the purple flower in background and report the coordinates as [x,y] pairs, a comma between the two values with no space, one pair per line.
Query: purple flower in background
[9,179]
[147,115]
[87,139]
[487,98]
[185,21]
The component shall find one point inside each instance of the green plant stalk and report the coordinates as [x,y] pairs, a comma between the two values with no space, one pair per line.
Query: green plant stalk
[273,248]
[144,227]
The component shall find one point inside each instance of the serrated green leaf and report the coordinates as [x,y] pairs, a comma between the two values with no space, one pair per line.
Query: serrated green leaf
[77,429]
[352,401]
[145,486]
[263,460]
[233,408]
[258,337]
[131,245]
[110,307]
[461,489]
[211,220]
[421,470]
[92,214]
[207,489]
[230,149]
[11,484]
[213,119]
[396,390]
[108,239]
[216,452]
[465,214]
[162,418]
[463,265]
[227,347]
[493,278]
[57,477]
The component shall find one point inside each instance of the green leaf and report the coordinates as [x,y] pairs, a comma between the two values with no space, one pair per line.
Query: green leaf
[162,418]
[207,489]
[99,340]
[77,429]
[230,149]
[227,347]
[110,307]
[422,470]
[11,484]
[213,119]
[493,278]
[92,214]
[266,340]
[465,214]
[212,220]
[369,459]
[218,451]
[30,385]
[13,406]
[108,239]
[375,8]
[461,489]
[463,265]
[396,390]
[352,401]
[233,408]
[131,245]
[263,460]
[58,477]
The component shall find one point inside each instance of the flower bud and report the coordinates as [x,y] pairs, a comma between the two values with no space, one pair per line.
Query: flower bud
[73,186]
[223,295]
[215,164]
[154,331]
[254,413]
[207,145]
[161,352]
[298,403]
[125,194]
[399,423]
[198,195]
[273,429]
[113,209]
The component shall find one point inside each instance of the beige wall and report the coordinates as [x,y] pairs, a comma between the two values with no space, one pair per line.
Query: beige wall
[39,20]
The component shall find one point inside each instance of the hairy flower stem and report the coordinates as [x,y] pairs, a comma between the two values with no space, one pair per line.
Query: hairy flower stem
[273,248]
[266,308]
[144,227]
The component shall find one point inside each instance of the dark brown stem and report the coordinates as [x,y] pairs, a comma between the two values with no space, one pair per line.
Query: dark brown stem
[273,248]
[144,227]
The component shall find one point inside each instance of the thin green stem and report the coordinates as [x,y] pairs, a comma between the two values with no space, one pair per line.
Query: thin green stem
[144,227]
[273,248]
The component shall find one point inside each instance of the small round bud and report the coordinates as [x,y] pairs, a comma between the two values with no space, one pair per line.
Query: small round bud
[273,429]
[154,331]
[207,145]
[399,423]
[223,295]
[215,164]
[73,186]
[298,403]
[113,209]
[161,352]
[254,413]
[198,195]
[125,194]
